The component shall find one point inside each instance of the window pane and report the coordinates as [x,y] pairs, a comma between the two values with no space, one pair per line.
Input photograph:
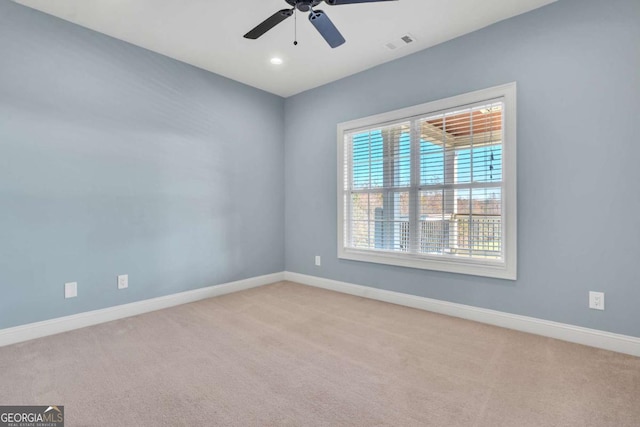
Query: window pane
[382,157]
[400,162]
[367,160]
[462,146]
[431,163]
[478,223]
[364,210]
[434,222]
[392,222]
[431,204]
[380,221]
[463,165]
[487,163]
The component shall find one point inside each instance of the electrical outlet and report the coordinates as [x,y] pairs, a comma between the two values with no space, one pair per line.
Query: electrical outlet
[123,281]
[71,289]
[596,300]
[318,260]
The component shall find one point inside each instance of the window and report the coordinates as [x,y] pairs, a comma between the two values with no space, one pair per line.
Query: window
[432,186]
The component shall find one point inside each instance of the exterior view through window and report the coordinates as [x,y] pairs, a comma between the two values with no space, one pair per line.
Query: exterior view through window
[430,190]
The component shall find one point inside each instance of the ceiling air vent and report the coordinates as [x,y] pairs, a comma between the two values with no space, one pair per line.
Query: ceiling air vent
[400,42]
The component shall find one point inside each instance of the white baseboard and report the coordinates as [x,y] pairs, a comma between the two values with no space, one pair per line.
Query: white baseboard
[576,334]
[63,324]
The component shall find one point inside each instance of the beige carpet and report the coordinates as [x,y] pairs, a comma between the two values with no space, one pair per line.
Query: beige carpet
[292,355]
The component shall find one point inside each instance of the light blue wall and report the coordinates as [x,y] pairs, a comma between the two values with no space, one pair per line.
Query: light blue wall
[577,65]
[116,160]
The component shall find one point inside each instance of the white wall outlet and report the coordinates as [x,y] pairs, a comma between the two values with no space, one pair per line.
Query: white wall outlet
[71,289]
[596,300]
[318,260]
[123,281]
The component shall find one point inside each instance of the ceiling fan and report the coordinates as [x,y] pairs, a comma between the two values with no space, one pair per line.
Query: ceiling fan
[318,18]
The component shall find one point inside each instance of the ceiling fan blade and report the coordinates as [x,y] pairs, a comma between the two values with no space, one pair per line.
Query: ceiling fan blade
[325,27]
[269,23]
[339,2]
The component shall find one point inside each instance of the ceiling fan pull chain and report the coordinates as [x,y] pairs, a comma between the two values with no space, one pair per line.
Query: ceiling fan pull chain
[295,27]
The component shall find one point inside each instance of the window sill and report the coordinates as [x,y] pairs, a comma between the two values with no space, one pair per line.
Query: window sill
[484,268]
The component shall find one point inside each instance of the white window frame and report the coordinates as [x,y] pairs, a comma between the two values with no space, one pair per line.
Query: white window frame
[503,269]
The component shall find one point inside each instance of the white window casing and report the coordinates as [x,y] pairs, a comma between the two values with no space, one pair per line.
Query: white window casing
[432,186]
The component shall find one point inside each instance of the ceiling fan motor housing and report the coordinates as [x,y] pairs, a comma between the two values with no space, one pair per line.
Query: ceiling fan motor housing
[304,5]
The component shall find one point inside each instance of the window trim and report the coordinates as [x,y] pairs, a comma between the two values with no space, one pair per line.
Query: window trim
[506,269]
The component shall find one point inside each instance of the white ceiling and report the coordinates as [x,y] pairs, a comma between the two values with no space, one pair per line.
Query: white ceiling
[209,33]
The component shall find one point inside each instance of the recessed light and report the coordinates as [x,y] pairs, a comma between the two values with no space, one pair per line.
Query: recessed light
[276,61]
